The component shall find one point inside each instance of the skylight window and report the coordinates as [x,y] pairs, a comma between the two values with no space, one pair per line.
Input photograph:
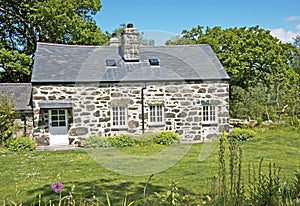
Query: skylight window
[154,62]
[111,62]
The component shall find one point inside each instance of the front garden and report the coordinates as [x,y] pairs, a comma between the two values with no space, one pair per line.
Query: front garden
[258,171]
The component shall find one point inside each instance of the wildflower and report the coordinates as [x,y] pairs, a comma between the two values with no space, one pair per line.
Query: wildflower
[57,187]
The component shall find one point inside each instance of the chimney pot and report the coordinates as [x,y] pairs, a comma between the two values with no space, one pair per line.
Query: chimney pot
[114,41]
[114,35]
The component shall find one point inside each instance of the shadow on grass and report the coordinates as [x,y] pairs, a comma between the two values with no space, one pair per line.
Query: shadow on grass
[132,191]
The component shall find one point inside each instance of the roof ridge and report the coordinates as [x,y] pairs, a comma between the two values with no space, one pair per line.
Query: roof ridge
[68,45]
[177,45]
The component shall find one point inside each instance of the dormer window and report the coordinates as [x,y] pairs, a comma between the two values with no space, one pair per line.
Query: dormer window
[111,62]
[154,62]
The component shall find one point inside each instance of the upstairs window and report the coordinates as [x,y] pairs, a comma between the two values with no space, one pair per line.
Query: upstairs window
[154,62]
[209,114]
[111,63]
[156,115]
[119,117]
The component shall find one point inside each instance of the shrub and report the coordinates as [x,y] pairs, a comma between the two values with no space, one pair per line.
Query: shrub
[294,121]
[122,140]
[6,118]
[146,139]
[96,141]
[241,134]
[167,138]
[21,144]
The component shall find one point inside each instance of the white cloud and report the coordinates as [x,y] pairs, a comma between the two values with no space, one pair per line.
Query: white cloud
[298,26]
[292,18]
[284,36]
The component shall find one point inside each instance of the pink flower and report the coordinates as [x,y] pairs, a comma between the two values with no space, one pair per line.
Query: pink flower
[57,187]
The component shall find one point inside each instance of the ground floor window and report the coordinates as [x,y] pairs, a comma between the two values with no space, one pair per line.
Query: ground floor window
[156,115]
[58,118]
[119,117]
[209,114]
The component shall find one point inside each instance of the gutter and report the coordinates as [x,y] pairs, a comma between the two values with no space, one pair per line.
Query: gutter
[143,109]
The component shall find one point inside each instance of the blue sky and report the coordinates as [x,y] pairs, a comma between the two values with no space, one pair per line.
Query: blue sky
[170,17]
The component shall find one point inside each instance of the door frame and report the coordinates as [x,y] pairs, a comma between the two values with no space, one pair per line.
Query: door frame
[58,134]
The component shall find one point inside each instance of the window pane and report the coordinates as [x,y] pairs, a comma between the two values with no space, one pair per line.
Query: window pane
[62,124]
[54,112]
[54,124]
[62,112]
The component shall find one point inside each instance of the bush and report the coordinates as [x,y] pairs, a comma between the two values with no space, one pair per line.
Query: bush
[95,141]
[127,140]
[167,138]
[6,118]
[294,121]
[241,134]
[21,144]
[146,139]
[122,140]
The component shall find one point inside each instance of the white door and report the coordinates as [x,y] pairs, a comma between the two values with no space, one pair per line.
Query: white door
[58,127]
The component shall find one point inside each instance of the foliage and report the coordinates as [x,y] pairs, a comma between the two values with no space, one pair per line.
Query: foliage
[163,138]
[264,72]
[16,66]
[96,141]
[142,40]
[6,118]
[264,188]
[249,55]
[24,23]
[146,139]
[297,59]
[21,144]
[294,121]
[240,134]
[167,138]
[122,140]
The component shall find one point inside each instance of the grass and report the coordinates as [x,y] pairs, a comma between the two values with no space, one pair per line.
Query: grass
[26,176]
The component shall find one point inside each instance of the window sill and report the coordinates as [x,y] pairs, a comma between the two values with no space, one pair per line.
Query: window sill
[119,128]
[157,125]
[209,124]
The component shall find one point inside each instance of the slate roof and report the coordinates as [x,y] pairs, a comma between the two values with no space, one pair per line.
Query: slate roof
[73,63]
[20,94]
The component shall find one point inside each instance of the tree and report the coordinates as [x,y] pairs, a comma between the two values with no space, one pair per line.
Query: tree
[143,41]
[297,55]
[253,58]
[6,118]
[24,23]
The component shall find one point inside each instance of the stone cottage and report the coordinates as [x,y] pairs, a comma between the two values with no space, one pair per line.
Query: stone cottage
[127,88]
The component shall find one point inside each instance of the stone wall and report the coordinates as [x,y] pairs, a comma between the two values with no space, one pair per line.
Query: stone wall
[23,128]
[182,104]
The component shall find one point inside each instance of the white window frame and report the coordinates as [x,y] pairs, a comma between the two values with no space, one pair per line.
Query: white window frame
[119,117]
[156,115]
[209,114]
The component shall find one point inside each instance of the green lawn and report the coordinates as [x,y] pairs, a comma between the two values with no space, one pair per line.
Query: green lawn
[25,176]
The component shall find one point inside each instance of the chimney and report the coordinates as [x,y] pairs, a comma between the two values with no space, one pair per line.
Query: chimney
[130,44]
[114,41]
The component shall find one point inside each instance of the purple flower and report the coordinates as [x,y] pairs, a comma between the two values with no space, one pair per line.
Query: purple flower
[57,187]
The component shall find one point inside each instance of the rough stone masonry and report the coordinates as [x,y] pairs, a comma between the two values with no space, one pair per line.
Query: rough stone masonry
[182,103]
